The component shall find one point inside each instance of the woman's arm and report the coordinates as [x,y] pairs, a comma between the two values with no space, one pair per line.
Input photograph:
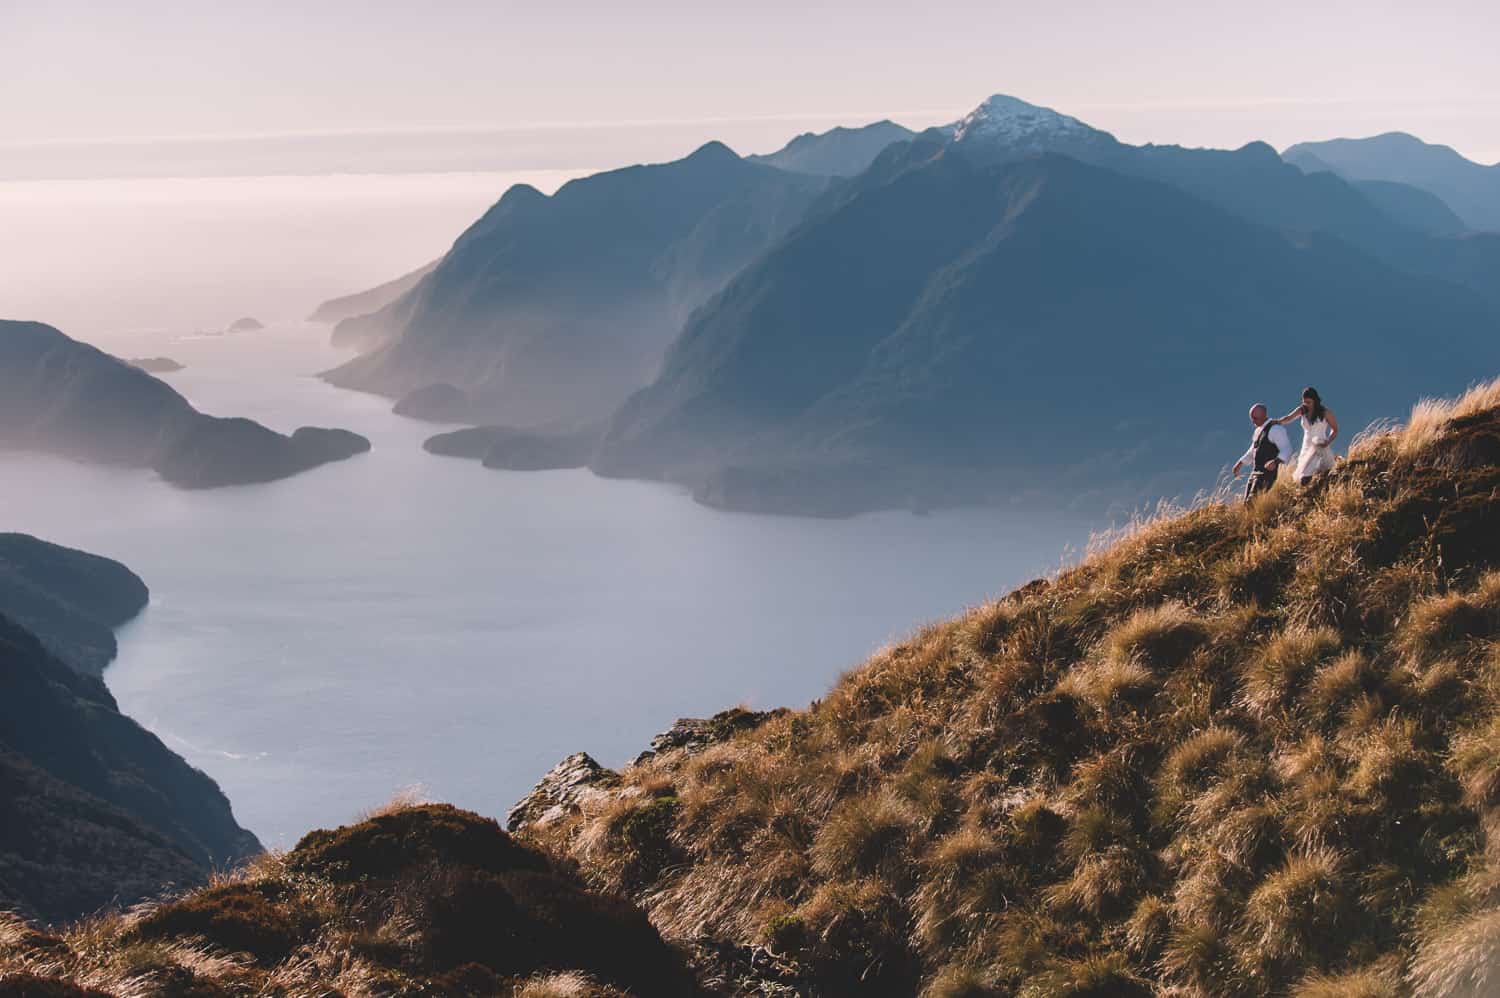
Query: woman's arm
[1333,426]
[1288,417]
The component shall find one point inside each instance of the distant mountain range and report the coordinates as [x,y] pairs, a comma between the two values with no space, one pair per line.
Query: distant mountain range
[981,313]
[97,810]
[364,302]
[558,307]
[65,397]
[1470,189]
[965,332]
[839,152]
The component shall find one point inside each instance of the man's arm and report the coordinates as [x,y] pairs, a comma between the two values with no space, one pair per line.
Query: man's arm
[1246,458]
[1283,443]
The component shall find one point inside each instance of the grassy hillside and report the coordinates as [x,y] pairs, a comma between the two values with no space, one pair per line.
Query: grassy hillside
[1237,751]
[1242,750]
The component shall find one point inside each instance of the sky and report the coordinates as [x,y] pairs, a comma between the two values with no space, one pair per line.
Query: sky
[158,87]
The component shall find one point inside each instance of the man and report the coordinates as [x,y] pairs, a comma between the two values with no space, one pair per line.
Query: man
[1270,448]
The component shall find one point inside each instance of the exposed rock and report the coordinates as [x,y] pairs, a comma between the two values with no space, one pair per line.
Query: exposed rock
[694,734]
[246,325]
[155,365]
[564,789]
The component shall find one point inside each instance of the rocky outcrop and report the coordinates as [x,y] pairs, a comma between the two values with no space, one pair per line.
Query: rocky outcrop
[694,734]
[564,790]
[578,779]
[246,325]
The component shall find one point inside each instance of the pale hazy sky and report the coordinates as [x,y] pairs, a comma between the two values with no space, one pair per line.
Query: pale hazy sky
[323,86]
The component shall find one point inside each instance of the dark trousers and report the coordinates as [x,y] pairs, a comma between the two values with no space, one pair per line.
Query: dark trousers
[1260,481]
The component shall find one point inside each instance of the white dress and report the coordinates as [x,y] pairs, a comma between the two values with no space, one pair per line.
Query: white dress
[1314,460]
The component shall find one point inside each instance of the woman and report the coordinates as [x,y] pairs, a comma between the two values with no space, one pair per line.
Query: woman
[1319,429]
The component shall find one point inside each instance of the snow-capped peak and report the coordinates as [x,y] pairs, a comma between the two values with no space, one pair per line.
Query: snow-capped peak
[1011,121]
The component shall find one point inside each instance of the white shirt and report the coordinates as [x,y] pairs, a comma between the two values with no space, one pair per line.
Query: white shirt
[1278,437]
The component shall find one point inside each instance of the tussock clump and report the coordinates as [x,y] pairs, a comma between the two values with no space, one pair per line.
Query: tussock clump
[1295,913]
[1274,675]
[1376,982]
[1160,638]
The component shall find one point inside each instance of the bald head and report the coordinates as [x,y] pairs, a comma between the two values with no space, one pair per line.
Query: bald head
[1258,413]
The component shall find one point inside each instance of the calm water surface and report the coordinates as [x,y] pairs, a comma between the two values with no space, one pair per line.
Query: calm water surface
[319,643]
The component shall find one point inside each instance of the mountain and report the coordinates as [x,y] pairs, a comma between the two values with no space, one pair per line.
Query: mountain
[65,397]
[1412,207]
[71,600]
[364,302]
[957,331]
[1470,189]
[556,308]
[838,152]
[98,811]
[1396,226]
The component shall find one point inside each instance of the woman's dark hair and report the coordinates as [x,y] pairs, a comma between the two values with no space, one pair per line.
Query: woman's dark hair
[1317,410]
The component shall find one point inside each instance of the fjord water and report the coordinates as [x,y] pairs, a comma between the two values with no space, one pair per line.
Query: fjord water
[319,643]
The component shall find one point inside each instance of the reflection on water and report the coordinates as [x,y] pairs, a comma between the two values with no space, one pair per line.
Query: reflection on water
[318,643]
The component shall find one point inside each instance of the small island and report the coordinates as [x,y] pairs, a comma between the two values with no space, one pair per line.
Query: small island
[64,397]
[246,325]
[155,365]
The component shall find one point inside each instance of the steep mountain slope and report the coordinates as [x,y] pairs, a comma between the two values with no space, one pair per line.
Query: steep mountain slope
[964,332]
[1412,207]
[98,810]
[838,152]
[371,300]
[415,900]
[557,308]
[71,600]
[1470,189]
[1247,750]
[65,397]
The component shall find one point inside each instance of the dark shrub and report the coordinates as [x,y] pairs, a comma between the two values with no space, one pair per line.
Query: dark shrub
[524,922]
[31,986]
[391,844]
[255,918]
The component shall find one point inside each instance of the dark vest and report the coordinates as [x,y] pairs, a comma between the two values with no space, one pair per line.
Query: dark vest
[1265,448]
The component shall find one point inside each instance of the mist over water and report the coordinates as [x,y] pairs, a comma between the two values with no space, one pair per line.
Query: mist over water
[105,259]
[318,643]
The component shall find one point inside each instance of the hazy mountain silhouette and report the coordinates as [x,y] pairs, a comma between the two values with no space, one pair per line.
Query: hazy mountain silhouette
[558,307]
[65,397]
[1472,190]
[71,600]
[98,810]
[982,327]
[838,152]
[335,310]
